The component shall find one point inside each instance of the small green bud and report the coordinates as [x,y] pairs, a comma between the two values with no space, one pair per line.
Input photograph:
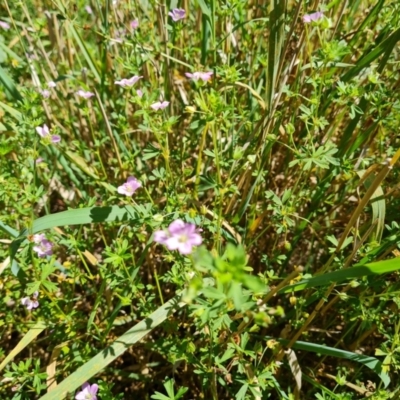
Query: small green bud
[290,128]
[238,153]
[251,158]
[190,109]
[158,218]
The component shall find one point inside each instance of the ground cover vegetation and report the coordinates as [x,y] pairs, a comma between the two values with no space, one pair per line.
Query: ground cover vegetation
[199,199]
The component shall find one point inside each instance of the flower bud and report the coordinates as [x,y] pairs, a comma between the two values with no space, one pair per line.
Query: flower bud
[190,109]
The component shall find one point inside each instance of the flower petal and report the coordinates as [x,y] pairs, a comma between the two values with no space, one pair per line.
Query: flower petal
[94,388]
[176,227]
[160,237]
[195,239]
[55,139]
[185,248]
[173,243]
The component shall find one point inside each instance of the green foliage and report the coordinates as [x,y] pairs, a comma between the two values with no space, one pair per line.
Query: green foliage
[284,158]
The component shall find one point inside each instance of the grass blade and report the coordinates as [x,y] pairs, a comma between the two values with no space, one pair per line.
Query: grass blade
[82,216]
[7,229]
[275,46]
[78,216]
[85,53]
[378,206]
[9,85]
[371,362]
[365,61]
[376,268]
[108,355]
[31,335]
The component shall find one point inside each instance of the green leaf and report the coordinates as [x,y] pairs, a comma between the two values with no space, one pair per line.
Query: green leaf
[371,362]
[386,46]
[376,268]
[9,84]
[275,47]
[378,204]
[160,396]
[108,355]
[150,152]
[12,111]
[81,163]
[31,335]
[85,51]
[7,229]
[82,216]
[78,216]
[204,8]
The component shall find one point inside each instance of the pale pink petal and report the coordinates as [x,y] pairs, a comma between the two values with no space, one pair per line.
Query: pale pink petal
[185,248]
[160,237]
[312,17]
[38,237]
[45,93]
[4,25]
[25,300]
[34,304]
[55,139]
[121,189]
[43,131]
[195,239]
[176,226]
[94,388]
[173,243]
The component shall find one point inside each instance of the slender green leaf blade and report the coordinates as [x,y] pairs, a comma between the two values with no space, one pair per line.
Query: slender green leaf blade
[7,229]
[78,216]
[31,335]
[376,268]
[9,85]
[371,362]
[108,355]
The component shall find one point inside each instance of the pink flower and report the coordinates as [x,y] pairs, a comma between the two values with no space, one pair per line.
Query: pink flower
[88,392]
[39,160]
[134,24]
[128,82]
[55,139]
[85,95]
[44,132]
[51,84]
[4,25]
[177,14]
[45,93]
[159,105]
[31,302]
[179,236]
[39,237]
[130,186]
[89,10]
[312,17]
[204,76]
[43,247]
[139,93]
